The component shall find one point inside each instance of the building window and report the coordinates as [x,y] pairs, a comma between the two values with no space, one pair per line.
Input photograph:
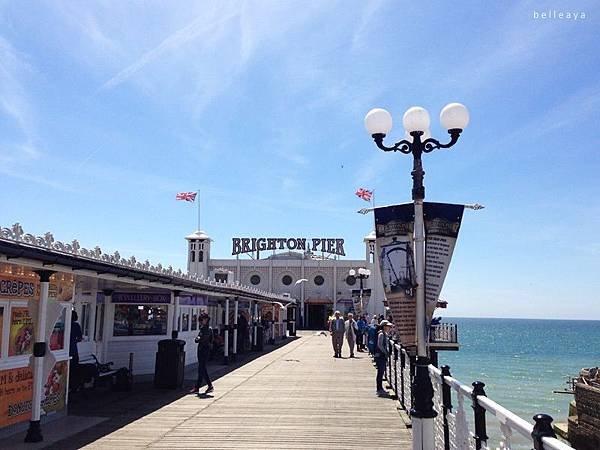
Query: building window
[57,338]
[194,319]
[286,280]
[192,256]
[221,277]
[319,280]
[255,280]
[200,256]
[140,320]
[185,320]
[350,280]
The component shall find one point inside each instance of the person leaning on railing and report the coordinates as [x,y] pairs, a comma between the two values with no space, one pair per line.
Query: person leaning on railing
[382,353]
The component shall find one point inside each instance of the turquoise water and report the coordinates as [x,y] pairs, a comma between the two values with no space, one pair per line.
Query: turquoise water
[522,361]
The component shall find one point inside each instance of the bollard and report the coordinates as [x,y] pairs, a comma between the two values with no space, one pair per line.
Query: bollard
[446,405]
[541,429]
[479,411]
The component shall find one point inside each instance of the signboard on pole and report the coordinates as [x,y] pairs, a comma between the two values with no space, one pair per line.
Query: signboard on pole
[442,223]
[394,226]
[360,307]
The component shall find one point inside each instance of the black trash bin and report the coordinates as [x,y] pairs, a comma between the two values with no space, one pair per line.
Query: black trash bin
[170,364]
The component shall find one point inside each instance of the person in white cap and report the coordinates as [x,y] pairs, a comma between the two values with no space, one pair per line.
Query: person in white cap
[381,354]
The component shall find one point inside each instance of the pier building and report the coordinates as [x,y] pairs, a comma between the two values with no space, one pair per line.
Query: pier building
[312,270]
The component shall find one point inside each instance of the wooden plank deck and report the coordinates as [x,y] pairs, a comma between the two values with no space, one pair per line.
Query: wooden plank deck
[296,397]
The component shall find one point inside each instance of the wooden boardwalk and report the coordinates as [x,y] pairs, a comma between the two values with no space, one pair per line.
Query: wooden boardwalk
[296,397]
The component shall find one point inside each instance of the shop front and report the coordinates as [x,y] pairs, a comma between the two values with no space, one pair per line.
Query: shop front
[19,297]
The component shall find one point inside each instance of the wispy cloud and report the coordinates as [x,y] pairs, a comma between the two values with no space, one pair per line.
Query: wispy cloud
[16,106]
[196,29]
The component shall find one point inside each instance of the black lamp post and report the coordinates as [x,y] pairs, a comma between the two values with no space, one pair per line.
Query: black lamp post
[454,117]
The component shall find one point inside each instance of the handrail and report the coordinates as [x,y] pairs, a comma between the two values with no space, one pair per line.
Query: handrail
[451,429]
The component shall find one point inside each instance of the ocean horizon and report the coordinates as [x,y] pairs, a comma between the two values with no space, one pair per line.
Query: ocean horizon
[522,361]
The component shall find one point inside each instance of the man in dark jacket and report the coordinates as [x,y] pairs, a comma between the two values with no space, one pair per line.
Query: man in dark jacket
[204,340]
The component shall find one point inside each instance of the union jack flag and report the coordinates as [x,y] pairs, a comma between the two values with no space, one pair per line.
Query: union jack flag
[364,194]
[187,196]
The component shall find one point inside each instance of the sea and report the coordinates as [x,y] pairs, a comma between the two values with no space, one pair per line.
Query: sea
[522,361]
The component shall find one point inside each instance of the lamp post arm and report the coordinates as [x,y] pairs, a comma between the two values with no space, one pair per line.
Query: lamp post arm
[431,144]
[400,146]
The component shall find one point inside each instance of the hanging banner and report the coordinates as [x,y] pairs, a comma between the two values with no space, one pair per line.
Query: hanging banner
[394,227]
[442,223]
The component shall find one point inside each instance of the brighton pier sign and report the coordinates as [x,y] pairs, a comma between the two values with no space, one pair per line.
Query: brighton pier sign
[325,245]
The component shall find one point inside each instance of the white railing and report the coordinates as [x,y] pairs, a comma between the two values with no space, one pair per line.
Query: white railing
[462,417]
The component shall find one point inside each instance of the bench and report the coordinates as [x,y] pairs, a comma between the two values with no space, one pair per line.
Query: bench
[103,371]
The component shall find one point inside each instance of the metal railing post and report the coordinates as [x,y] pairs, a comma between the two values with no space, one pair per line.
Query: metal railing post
[542,428]
[402,366]
[396,370]
[479,412]
[446,405]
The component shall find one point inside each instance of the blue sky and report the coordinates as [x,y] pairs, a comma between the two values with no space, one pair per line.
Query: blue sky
[107,109]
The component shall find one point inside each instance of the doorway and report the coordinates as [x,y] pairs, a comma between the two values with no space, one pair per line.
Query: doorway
[317,317]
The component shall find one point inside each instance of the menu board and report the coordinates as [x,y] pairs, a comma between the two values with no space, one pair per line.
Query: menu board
[1,329]
[21,335]
[16,388]
[16,392]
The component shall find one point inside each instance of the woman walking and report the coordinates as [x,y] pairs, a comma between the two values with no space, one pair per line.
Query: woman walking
[381,354]
[204,340]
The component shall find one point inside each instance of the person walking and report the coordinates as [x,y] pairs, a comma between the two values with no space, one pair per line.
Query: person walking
[360,337]
[204,340]
[76,336]
[337,328]
[372,336]
[381,354]
[351,329]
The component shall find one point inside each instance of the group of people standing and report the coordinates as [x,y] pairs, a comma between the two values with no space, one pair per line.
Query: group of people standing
[376,334]
[353,330]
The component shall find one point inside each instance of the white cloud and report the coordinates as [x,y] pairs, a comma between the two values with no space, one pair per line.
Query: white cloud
[16,106]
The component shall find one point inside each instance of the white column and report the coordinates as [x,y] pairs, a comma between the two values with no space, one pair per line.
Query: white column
[176,314]
[273,323]
[107,326]
[257,323]
[226,349]
[34,433]
[334,287]
[302,292]
[419,238]
[235,326]
[422,427]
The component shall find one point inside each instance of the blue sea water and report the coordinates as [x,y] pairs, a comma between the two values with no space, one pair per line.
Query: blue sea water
[522,361]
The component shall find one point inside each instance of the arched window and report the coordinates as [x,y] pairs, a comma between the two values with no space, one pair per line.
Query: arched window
[200,256]
[192,256]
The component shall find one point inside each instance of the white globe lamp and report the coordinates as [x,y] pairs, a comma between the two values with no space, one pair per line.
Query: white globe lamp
[416,119]
[454,116]
[378,121]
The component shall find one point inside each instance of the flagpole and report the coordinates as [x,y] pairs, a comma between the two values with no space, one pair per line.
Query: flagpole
[198,195]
